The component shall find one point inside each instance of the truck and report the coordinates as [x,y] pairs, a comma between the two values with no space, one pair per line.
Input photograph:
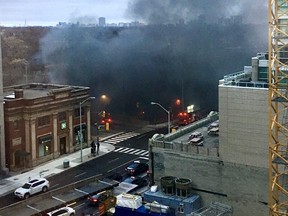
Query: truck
[128,204]
[185,117]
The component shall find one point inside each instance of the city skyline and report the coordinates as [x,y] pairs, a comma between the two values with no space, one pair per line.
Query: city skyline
[50,13]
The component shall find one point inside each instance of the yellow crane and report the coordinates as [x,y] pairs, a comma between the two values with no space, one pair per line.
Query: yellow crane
[278,104]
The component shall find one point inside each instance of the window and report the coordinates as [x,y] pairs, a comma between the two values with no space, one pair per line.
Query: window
[62,116]
[45,145]
[77,112]
[42,121]
[16,125]
[181,208]
[62,120]
[37,184]
[60,212]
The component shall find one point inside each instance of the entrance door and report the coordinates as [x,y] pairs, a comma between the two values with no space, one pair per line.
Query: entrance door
[63,145]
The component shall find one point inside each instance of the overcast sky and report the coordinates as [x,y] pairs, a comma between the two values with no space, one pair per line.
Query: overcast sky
[50,12]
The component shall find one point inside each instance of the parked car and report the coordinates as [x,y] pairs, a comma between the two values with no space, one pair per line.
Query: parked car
[213,128]
[196,138]
[136,168]
[32,187]
[64,211]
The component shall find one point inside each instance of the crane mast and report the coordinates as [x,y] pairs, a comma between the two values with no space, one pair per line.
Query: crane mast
[278,105]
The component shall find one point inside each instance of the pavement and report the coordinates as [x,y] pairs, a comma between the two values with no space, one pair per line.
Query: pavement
[10,182]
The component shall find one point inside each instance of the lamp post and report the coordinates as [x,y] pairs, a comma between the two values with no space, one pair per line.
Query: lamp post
[168,112]
[81,135]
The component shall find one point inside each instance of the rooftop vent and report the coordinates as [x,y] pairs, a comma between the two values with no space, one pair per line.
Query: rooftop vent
[183,187]
[19,93]
[168,185]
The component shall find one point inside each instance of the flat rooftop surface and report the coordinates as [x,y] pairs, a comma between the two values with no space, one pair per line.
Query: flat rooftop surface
[209,141]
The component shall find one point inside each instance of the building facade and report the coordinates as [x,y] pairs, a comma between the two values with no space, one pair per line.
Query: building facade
[236,173]
[42,122]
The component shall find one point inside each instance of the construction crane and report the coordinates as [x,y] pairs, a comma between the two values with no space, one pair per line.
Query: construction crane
[278,104]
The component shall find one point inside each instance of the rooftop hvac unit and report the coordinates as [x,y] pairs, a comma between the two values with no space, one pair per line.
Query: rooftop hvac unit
[168,185]
[183,187]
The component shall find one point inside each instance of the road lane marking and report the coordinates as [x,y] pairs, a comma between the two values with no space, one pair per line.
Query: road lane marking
[38,210]
[80,174]
[63,201]
[111,161]
[54,186]
[80,191]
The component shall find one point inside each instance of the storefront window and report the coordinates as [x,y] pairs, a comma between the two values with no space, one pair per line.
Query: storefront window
[78,135]
[45,144]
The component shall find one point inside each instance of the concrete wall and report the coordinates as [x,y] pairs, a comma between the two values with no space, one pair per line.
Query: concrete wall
[239,177]
[245,188]
[243,132]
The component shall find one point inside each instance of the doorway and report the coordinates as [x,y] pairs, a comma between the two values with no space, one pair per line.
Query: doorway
[63,145]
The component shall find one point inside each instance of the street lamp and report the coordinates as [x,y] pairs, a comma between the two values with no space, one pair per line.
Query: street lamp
[168,112]
[81,135]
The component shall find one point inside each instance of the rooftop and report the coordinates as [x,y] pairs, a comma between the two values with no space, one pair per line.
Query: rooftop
[37,90]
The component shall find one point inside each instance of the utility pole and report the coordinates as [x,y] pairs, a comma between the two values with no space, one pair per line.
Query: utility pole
[2,132]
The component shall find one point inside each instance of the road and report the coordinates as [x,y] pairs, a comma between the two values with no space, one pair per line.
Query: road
[111,162]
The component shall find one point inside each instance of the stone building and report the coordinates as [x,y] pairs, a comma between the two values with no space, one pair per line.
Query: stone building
[42,122]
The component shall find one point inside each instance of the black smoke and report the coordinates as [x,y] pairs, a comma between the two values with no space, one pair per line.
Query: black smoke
[176,55]
[173,11]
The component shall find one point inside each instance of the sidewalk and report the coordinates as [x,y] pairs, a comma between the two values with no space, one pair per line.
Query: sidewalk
[7,185]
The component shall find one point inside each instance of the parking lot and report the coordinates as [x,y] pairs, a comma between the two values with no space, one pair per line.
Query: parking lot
[209,141]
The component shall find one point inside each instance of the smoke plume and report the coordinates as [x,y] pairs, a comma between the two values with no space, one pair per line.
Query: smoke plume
[182,52]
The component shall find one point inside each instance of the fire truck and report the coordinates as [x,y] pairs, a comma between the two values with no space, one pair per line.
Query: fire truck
[185,118]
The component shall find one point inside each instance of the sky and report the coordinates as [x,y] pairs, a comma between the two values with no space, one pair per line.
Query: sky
[51,12]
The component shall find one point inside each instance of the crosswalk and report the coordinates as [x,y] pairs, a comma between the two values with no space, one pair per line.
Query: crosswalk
[138,152]
[121,137]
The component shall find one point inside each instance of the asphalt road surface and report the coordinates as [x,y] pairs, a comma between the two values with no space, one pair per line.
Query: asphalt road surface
[106,164]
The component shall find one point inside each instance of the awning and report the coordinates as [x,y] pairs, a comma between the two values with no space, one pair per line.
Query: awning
[21,153]
[46,138]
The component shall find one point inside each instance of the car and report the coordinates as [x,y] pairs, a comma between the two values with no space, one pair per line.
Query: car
[98,198]
[137,167]
[64,211]
[213,128]
[196,138]
[32,187]
[140,181]
[115,176]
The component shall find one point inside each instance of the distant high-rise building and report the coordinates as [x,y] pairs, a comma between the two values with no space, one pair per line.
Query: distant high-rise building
[102,21]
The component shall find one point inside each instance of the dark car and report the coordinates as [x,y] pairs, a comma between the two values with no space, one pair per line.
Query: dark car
[98,198]
[141,182]
[137,167]
[115,176]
